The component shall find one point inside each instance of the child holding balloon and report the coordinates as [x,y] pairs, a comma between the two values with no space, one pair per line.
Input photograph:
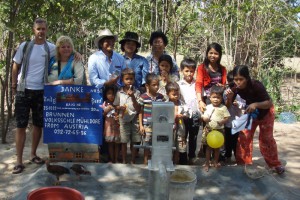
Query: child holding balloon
[215,116]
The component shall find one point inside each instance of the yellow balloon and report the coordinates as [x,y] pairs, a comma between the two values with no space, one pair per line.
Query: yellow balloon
[215,139]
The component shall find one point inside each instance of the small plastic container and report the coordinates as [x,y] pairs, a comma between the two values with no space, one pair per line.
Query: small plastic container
[182,185]
[57,193]
[287,118]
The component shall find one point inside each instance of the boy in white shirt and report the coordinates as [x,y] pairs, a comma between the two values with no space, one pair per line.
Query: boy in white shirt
[188,94]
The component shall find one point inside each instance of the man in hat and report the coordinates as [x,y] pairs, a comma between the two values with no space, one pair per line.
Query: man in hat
[129,45]
[105,65]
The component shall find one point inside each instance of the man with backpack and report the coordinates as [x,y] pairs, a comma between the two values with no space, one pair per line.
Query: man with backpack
[29,73]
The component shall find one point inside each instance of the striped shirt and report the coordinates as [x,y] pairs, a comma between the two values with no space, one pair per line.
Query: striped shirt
[146,102]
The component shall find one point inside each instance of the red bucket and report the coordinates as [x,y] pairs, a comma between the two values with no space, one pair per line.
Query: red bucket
[57,193]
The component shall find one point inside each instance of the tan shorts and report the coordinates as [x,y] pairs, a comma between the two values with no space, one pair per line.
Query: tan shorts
[129,131]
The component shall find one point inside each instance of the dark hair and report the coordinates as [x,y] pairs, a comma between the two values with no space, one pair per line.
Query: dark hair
[216,47]
[172,86]
[150,77]
[242,70]
[230,79]
[188,62]
[217,90]
[123,44]
[158,34]
[100,43]
[167,58]
[230,76]
[109,88]
[127,71]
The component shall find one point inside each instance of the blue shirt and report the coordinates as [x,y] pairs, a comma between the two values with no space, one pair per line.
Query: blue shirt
[153,66]
[101,69]
[140,66]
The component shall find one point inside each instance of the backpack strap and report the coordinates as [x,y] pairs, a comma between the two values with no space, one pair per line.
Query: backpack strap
[24,49]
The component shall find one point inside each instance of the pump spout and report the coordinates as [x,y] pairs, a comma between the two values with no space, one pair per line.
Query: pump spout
[159,183]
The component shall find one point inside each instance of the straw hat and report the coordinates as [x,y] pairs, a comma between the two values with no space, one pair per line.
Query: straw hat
[102,34]
[131,36]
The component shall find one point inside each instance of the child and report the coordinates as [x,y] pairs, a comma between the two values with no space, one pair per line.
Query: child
[165,65]
[128,109]
[215,115]
[235,110]
[111,125]
[173,92]
[188,94]
[145,100]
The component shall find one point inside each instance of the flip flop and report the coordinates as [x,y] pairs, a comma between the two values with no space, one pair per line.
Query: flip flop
[280,169]
[37,160]
[18,169]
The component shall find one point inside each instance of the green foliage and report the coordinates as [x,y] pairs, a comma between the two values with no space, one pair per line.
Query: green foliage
[272,77]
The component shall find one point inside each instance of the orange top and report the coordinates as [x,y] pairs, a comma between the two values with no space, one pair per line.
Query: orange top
[203,78]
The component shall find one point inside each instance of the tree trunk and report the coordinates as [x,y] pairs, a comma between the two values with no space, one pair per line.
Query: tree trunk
[5,84]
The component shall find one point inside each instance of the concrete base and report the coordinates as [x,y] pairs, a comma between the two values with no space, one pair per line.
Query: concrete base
[118,181]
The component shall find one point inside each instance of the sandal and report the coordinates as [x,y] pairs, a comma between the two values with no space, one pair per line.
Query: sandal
[18,169]
[280,169]
[37,160]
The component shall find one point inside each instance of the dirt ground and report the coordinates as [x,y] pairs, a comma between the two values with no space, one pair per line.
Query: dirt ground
[286,135]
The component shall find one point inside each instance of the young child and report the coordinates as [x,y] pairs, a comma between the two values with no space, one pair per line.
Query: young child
[188,94]
[145,100]
[128,109]
[165,65]
[235,109]
[215,115]
[173,92]
[111,124]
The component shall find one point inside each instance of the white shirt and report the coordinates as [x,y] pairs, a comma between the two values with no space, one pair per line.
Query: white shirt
[34,77]
[188,94]
[122,99]
[235,110]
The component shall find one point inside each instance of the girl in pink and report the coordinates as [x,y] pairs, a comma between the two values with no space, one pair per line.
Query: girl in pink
[111,125]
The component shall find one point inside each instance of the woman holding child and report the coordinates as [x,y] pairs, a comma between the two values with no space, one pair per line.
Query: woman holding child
[257,98]
[209,73]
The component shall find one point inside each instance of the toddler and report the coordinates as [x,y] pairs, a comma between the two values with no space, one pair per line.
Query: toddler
[215,116]
[111,125]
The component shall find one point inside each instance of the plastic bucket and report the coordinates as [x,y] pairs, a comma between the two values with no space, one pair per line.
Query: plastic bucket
[287,118]
[182,185]
[57,193]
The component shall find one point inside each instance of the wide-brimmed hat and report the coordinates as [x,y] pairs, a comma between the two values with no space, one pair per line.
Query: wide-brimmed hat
[131,36]
[102,34]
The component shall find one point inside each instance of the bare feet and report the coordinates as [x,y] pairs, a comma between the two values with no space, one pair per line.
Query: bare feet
[217,164]
[145,161]
[206,166]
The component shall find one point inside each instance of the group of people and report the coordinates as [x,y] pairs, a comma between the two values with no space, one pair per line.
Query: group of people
[131,83]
